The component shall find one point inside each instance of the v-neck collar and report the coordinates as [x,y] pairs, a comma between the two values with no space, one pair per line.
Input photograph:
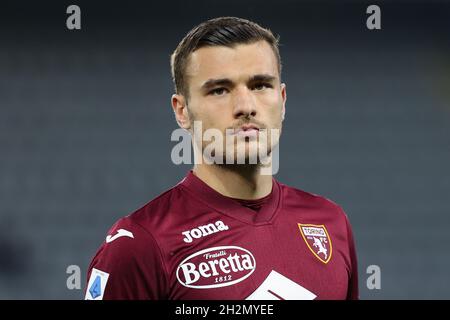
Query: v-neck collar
[227,206]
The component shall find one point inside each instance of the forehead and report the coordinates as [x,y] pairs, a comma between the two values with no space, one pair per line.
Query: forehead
[240,61]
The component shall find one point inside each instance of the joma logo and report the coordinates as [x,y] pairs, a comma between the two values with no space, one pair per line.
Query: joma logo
[203,231]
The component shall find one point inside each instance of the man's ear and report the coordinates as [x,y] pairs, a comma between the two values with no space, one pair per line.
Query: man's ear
[284,97]
[179,106]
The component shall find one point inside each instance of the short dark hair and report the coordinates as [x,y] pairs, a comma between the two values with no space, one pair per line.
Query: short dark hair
[223,31]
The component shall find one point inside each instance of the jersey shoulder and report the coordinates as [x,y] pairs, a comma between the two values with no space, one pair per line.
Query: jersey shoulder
[132,259]
[140,228]
[157,213]
[292,195]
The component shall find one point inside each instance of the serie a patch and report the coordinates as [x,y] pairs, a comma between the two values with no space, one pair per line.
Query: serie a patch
[96,285]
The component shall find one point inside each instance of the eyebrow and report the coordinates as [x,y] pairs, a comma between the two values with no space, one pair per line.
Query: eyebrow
[216,82]
[210,83]
[262,78]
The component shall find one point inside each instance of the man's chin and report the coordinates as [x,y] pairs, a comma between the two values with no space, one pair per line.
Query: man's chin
[247,159]
[248,154]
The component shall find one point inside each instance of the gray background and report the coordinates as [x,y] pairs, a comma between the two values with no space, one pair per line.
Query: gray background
[85,124]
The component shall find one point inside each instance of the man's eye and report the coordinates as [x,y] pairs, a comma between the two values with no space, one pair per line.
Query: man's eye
[261,86]
[218,92]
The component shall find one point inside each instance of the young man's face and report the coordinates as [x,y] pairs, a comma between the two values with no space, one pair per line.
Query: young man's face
[237,89]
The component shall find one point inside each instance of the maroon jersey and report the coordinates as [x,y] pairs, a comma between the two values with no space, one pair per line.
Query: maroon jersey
[193,243]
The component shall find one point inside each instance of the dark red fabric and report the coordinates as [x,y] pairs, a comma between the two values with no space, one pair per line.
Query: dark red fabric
[193,243]
[256,204]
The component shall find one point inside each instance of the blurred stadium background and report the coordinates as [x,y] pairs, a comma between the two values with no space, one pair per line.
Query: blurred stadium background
[85,124]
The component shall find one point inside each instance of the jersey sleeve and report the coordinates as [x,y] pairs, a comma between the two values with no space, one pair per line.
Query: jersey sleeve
[127,266]
[353,290]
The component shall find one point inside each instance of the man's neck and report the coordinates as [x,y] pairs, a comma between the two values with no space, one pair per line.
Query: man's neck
[239,181]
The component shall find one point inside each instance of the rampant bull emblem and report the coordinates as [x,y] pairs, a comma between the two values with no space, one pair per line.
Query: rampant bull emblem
[318,241]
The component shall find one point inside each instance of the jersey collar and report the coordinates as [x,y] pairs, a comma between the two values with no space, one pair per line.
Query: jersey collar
[227,206]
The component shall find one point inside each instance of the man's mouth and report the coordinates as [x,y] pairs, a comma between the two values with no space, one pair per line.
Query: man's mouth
[247,130]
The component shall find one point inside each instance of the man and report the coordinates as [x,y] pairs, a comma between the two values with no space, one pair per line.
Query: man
[229,230]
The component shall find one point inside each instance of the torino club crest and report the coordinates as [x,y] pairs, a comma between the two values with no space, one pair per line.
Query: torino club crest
[318,241]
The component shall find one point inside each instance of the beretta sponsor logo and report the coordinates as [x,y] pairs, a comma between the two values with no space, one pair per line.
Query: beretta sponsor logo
[216,267]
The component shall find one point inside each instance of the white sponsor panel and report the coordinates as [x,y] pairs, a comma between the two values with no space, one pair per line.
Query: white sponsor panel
[278,287]
[216,267]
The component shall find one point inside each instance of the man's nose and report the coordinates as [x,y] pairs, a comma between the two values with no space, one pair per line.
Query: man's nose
[244,103]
